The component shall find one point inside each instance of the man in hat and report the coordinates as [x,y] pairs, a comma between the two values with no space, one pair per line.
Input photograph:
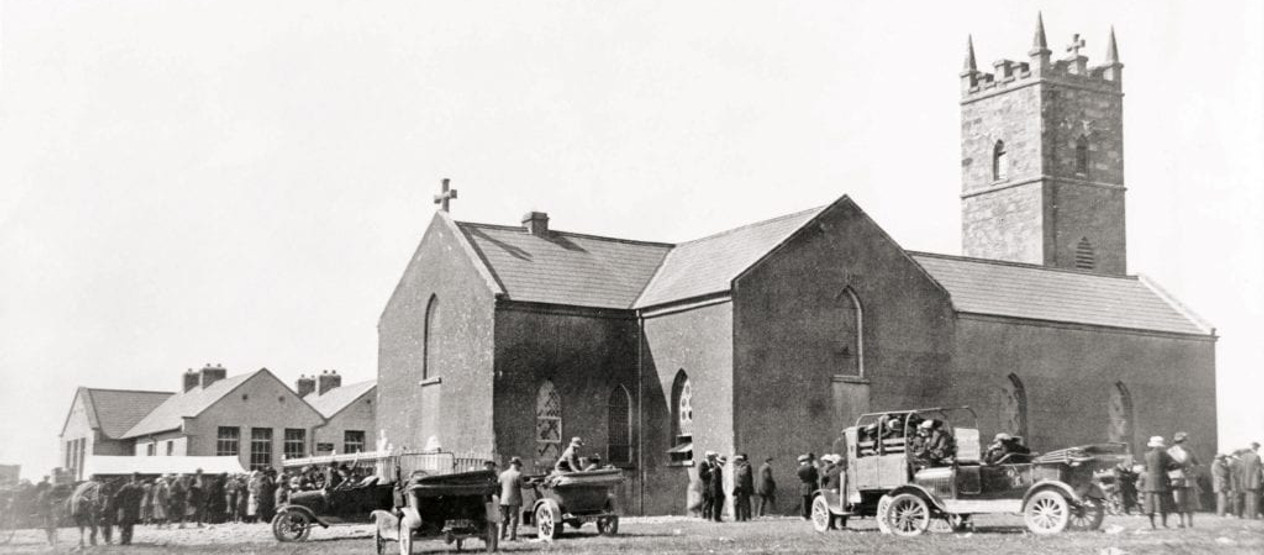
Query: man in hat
[1220,483]
[1250,481]
[807,484]
[510,499]
[594,462]
[127,499]
[743,487]
[1003,444]
[1184,491]
[569,461]
[1156,490]
[716,489]
[705,468]
[765,489]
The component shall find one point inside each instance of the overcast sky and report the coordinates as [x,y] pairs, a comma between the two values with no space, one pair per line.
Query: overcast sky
[243,182]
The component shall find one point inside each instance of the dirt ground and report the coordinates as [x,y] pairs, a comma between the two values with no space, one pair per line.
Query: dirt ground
[992,535]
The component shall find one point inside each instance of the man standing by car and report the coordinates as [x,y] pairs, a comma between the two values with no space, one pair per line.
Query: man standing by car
[1184,492]
[765,489]
[510,499]
[1157,489]
[807,484]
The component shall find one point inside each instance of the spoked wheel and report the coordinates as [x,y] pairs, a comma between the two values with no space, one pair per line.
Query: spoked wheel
[908,515]
[1087,516]
[608,526]
[822,520]
[291,526]
[881,514]
[1047,513]
[548,521]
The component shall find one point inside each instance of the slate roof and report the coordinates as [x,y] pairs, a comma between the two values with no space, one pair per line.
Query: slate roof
[1034,292]
[338,398]
[115,411]
[171,413]
[708,265]
[565,268]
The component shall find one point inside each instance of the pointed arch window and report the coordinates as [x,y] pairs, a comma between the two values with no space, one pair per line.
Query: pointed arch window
[850,334]
[619,426]
[1014,407]
[428,338]
[1085,259]
[1121,427]
[548,423]
[1081,156]
[682,419]
[1000,162]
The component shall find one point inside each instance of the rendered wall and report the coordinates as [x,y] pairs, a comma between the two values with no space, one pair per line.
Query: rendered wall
[459,414]
[358,416]
[786,368]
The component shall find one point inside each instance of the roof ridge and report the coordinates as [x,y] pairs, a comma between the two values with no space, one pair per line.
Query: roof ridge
[128,390]
[755,224]
[1013,264]
[572,234]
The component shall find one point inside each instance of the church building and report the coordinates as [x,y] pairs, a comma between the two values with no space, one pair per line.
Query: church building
[770,338]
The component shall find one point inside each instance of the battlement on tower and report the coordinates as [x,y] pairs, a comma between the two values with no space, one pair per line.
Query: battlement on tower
[1073,70]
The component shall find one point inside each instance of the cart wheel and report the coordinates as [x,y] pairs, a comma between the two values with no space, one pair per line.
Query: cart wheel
[608,526]
[548,520]
[1047,512]
[880,514]
[822,520]
[1087,516]
[907,515]
[492,539]
[291,526]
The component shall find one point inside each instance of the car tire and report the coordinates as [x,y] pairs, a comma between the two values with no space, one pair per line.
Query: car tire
[879,514]
[1087,515]
[548,521]
[822,519]
[907,515]
[1047,512]
[291,526]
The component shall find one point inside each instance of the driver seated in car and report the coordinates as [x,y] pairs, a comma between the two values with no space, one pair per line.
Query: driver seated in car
[1001,446]
[932,446]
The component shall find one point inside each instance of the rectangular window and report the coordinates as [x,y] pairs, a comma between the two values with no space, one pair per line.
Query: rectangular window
[295,443]
[171,447]
[260,448]
[228,441]
[352,441]
[151,449]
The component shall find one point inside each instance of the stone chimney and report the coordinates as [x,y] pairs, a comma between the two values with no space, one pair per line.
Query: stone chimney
[536,223]
[211,374]
[305,385]
[328,379]
[191,379]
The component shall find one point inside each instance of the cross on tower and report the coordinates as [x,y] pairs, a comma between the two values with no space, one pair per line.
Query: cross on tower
[1076,44]
[445,196]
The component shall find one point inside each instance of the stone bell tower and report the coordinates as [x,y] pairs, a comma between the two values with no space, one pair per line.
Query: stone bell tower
[1042,159]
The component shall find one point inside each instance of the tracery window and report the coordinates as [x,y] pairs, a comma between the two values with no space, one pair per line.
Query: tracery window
[619,426]
[548,422]
[1121,415]
[1014,407]
[682,419]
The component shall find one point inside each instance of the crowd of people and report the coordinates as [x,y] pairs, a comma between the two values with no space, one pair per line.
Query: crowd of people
[100,504]
[1167,481]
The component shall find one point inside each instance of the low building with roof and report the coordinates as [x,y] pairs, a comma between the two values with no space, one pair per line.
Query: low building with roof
[769,338]
[348,411]
[253,416]
[98,421]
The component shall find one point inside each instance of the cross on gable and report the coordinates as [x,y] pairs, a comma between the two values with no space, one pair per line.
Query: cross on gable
[445,196]
[1076,44]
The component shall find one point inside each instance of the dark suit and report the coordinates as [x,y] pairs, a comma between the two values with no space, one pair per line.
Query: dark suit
[128,499]
[807,486]
[743,487]
[1156,491]
[765,491]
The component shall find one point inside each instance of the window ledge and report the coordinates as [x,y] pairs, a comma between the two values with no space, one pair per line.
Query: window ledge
[679,463]
[842,378]
[431,381]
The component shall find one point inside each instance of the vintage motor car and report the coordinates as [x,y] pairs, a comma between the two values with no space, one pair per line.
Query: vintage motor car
[349,503]
[1053,492]
[572,498]
[454,507]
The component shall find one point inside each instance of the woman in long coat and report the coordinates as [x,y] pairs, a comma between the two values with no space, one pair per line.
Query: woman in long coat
[161,497]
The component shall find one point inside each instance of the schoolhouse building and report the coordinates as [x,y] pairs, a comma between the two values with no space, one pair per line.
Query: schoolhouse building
[97,421]
[769,338]
[348,412]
